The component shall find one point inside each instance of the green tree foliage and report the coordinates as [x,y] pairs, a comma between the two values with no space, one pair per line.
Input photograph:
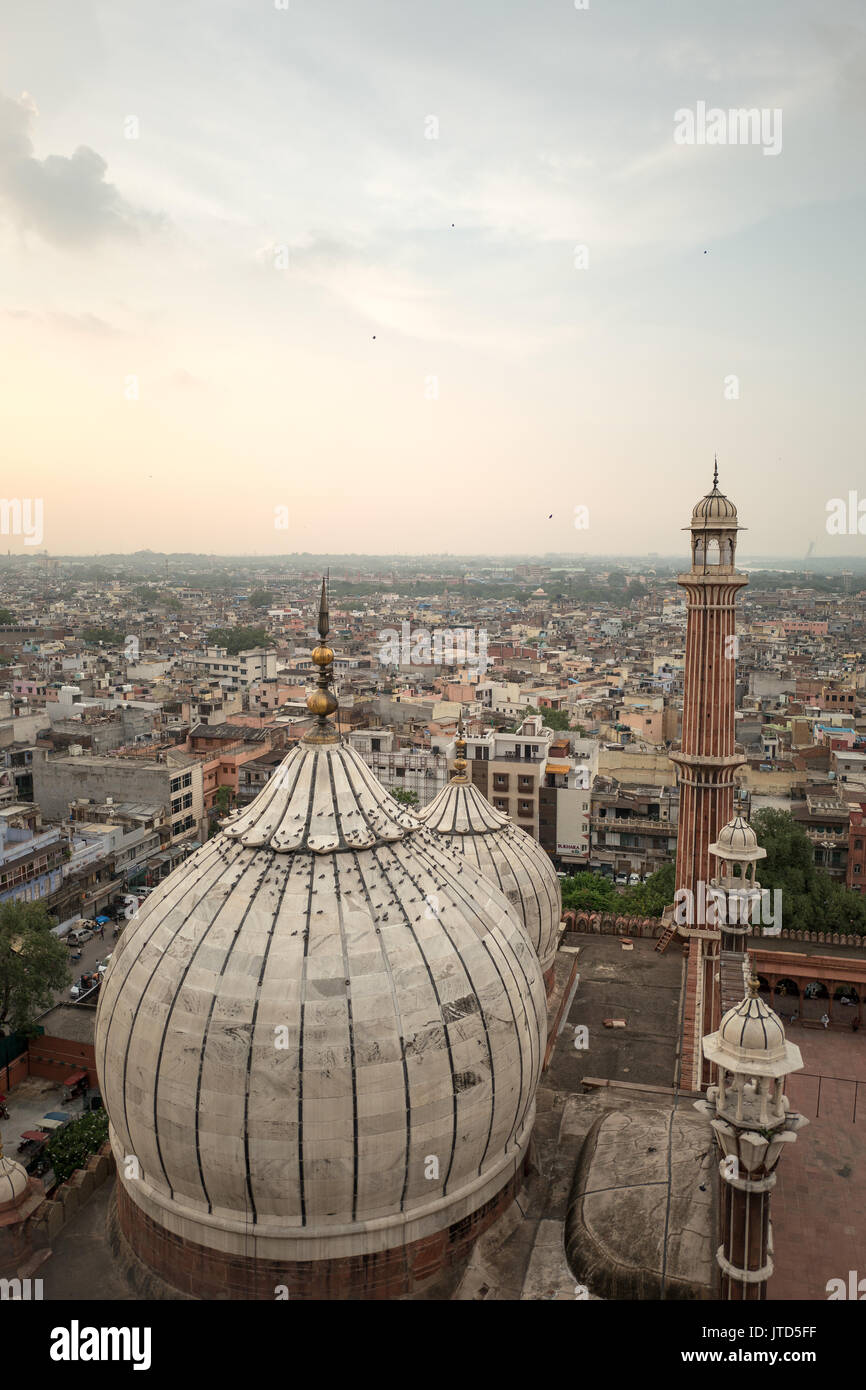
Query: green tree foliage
[589,892]
[108,636]
[557,719]
[33,965]
[69,1148]
[405,796]
[237,639]
[7,617]
[260,598]
[811,899]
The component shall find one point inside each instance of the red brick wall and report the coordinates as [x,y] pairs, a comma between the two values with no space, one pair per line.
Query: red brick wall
[56,1058]
[13,1073]
[209,1274]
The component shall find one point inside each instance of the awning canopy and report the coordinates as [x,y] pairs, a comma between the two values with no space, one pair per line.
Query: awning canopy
[560,768]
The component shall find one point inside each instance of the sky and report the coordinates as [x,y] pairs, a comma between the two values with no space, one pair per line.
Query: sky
[387,276]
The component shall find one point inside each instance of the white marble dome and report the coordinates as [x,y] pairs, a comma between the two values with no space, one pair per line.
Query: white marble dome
[714,510]
[490,841]
[751,1039]
[738,835]
[322,1034]
[14,1181]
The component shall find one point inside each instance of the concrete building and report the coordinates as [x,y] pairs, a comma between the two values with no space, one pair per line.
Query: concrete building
[509,770]
[31,858]
[257,664]
[173,782]
[634,829]
[424,772]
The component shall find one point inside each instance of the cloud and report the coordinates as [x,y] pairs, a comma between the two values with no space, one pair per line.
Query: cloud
[65,199]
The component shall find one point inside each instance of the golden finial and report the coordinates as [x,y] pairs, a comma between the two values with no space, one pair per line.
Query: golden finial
[322,701]
[715,471]
[460,763]
[754,986]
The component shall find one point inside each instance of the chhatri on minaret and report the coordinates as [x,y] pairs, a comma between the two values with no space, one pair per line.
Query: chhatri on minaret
[706,759]
[318,1044]
[505,854]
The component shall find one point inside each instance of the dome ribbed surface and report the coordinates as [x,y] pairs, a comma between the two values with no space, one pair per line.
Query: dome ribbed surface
[738,834]
[13,1181]
[714,508]
[321,799]
[316,1005]
[506,855]
[752,1028]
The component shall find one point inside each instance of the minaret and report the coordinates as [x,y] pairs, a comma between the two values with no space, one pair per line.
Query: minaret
[753,1125]
[706,759]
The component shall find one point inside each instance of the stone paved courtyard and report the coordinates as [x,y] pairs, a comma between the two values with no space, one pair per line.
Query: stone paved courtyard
[819,1205]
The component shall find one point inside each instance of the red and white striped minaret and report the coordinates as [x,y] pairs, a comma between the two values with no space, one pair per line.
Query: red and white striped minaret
[706,759]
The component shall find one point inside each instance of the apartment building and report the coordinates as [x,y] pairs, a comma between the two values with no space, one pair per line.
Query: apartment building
[31,857]
[172,781]
[634,829]
[257,664]
[509,769]
[422,771]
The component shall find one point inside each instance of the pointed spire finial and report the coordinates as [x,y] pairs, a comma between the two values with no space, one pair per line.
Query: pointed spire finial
[323,701]
[716,470]
[460,763]
[324,619]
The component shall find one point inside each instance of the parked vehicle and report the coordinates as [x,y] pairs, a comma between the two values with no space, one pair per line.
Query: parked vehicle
[78,936]
[622,880]
[633,879]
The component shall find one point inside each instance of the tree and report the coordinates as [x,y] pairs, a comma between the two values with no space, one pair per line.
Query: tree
[223,799]
[260,598]
[70,1147]
[33,965]
[237,639]
[588,892]
[558,719]
[108,636]
[404,796]
[811,900]
[649,899]
[7,617]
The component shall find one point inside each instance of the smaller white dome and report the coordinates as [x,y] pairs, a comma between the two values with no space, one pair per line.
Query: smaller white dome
[714,510]
[751,1040]
[737,840]
[507,856]
[750,1028]
[14,1181]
